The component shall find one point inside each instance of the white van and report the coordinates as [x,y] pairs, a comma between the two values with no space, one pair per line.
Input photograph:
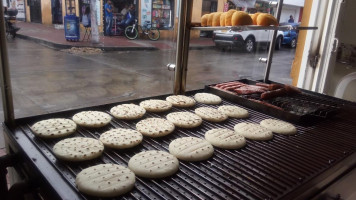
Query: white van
[248,40]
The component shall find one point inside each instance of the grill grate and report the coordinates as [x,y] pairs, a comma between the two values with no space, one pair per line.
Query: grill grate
[261,170]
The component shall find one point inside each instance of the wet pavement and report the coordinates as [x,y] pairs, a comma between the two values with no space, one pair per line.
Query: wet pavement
[46,80]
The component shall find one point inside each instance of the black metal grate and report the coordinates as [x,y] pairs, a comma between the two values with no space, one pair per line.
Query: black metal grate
[261,170]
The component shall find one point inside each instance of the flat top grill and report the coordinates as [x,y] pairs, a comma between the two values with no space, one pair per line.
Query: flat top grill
[260,170]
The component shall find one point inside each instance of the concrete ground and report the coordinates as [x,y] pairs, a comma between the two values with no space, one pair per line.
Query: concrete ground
[45,80]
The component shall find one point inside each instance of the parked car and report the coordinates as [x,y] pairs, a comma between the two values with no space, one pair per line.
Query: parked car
[290,37]
[248,40]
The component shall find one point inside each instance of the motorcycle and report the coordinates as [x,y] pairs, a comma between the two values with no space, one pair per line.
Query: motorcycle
[10,21]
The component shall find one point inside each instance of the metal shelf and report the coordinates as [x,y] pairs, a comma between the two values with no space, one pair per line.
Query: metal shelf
[251,27]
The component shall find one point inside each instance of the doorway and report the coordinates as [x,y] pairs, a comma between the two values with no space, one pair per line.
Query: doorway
[35,11]
[57,12]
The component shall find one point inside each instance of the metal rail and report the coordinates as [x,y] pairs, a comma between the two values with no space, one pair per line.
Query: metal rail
[242,28]
[273,43]
[252,28]
[185,17]
[5,79]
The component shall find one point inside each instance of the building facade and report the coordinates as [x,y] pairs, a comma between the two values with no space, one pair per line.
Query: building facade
[162,14]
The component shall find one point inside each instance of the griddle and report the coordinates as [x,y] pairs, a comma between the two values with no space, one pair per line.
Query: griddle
[286,167]
[305,108]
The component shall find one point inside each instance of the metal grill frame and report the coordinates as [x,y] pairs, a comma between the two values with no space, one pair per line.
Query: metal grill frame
[40,166]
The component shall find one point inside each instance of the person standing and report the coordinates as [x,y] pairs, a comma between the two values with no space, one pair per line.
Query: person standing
[86,19]
[108,17]
[291,19]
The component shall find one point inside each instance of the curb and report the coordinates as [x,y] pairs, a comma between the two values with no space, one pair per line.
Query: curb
[67,46]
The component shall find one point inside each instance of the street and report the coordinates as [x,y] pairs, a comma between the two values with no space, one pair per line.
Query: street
[47,80]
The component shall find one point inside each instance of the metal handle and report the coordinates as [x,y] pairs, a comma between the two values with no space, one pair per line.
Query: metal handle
[171,67]
[262,60]
[336,43]
[183,37]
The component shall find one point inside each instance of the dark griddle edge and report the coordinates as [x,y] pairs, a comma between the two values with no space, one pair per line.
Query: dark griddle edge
[280,168]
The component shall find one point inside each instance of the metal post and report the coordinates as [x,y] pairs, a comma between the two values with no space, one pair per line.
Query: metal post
[273,42]
[5,84]
[183,36]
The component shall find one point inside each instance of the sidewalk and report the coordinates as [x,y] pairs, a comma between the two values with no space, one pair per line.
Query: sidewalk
[54,38]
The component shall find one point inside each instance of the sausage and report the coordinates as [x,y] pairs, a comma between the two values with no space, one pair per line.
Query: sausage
[232,85]
[292,90]
[273,93]
[275,86]
[265,85]
[228,83]
[266,104]
[231,88]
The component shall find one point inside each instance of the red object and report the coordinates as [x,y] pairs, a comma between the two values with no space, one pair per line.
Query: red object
[250,89]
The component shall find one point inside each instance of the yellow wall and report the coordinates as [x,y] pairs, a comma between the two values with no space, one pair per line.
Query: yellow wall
[197,9]
[28,18]
[46,10]
[197,13]
[301,42]
[197,6]
[221,5]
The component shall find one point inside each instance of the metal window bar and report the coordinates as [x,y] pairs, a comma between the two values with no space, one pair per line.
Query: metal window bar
[6,91]
[273,43]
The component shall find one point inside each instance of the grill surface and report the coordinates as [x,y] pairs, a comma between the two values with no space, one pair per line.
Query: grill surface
[261,170]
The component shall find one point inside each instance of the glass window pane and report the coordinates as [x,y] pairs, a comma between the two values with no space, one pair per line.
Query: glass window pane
[232,55]
[55,64]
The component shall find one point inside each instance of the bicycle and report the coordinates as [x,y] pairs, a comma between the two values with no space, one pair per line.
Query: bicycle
[131,32]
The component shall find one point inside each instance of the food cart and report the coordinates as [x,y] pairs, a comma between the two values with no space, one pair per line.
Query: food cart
[287,167]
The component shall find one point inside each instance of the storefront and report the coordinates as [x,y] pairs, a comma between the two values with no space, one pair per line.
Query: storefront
[160,13]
